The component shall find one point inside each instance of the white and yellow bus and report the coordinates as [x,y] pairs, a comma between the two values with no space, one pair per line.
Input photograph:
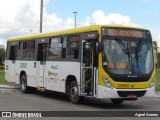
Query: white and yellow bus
[99,61]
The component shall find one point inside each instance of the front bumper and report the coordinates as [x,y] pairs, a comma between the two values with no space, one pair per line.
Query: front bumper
[104,92]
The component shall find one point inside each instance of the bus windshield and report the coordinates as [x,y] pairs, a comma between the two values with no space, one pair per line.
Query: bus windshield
[127,56]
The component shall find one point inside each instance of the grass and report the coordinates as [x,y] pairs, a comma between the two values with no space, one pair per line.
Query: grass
[2,78]
[157,82]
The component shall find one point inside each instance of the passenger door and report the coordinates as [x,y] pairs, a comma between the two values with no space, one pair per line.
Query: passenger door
[41,58]
[13,56]
[87,67]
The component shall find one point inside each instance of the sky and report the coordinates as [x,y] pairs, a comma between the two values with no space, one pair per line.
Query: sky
[21,17]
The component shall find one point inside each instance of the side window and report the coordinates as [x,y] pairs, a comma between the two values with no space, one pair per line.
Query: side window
[55,48]
[20,50]
[29,49]
[7,51]
[13,53]
[64,47]
[73,47]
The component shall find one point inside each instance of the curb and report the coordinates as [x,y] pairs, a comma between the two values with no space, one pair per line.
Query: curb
[9,87]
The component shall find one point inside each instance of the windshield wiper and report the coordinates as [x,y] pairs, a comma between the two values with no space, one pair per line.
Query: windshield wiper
[137,54]
[138,49]
[124,48]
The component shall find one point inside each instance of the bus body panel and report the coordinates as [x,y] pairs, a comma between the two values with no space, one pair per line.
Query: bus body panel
[39,75]
[56,73]
[8,70]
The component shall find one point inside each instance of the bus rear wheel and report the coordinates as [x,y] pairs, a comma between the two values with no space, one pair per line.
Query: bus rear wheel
[117,101]
[23,84]
[74,97]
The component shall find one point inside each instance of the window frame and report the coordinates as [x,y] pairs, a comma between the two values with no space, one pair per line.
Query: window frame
[29,49]
[50,54]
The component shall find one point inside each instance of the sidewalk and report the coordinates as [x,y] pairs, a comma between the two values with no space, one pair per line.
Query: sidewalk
[9,86]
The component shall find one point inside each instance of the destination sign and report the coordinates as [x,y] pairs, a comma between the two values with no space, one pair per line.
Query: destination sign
[74,38]
[127,33]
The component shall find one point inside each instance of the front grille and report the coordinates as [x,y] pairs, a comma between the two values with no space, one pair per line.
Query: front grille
[127,93]
[130,79]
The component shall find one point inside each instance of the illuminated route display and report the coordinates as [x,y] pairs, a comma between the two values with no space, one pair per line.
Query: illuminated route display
[135,33]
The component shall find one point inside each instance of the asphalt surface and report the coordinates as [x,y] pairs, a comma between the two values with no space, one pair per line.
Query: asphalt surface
[11,99]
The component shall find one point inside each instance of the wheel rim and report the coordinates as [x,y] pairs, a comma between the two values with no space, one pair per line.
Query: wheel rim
[23,84]
[74,92]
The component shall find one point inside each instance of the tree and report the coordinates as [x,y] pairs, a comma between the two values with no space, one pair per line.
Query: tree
[2,56]
[158,59]
[155,45]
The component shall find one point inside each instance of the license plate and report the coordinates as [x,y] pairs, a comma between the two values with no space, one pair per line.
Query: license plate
[132,96]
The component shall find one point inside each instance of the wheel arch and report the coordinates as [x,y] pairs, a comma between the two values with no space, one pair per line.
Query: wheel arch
[21,73]
[69,80]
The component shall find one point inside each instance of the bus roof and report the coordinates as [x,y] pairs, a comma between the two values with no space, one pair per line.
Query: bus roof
[68,31]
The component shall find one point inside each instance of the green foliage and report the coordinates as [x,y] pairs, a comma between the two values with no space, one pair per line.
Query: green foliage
[2,56]
[158,59]
[155,45]
[157,82]
[2,78]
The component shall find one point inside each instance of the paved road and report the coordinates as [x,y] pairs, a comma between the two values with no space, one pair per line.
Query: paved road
[14,100]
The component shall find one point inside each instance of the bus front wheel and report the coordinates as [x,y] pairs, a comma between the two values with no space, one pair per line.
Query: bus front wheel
[74,97]
[23,84]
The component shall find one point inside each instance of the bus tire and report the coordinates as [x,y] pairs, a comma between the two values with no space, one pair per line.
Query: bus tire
[23,84]
[117,101]
[73,94]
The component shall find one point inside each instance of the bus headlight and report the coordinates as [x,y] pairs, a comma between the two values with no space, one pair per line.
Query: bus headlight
[152,83]
[107,83]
